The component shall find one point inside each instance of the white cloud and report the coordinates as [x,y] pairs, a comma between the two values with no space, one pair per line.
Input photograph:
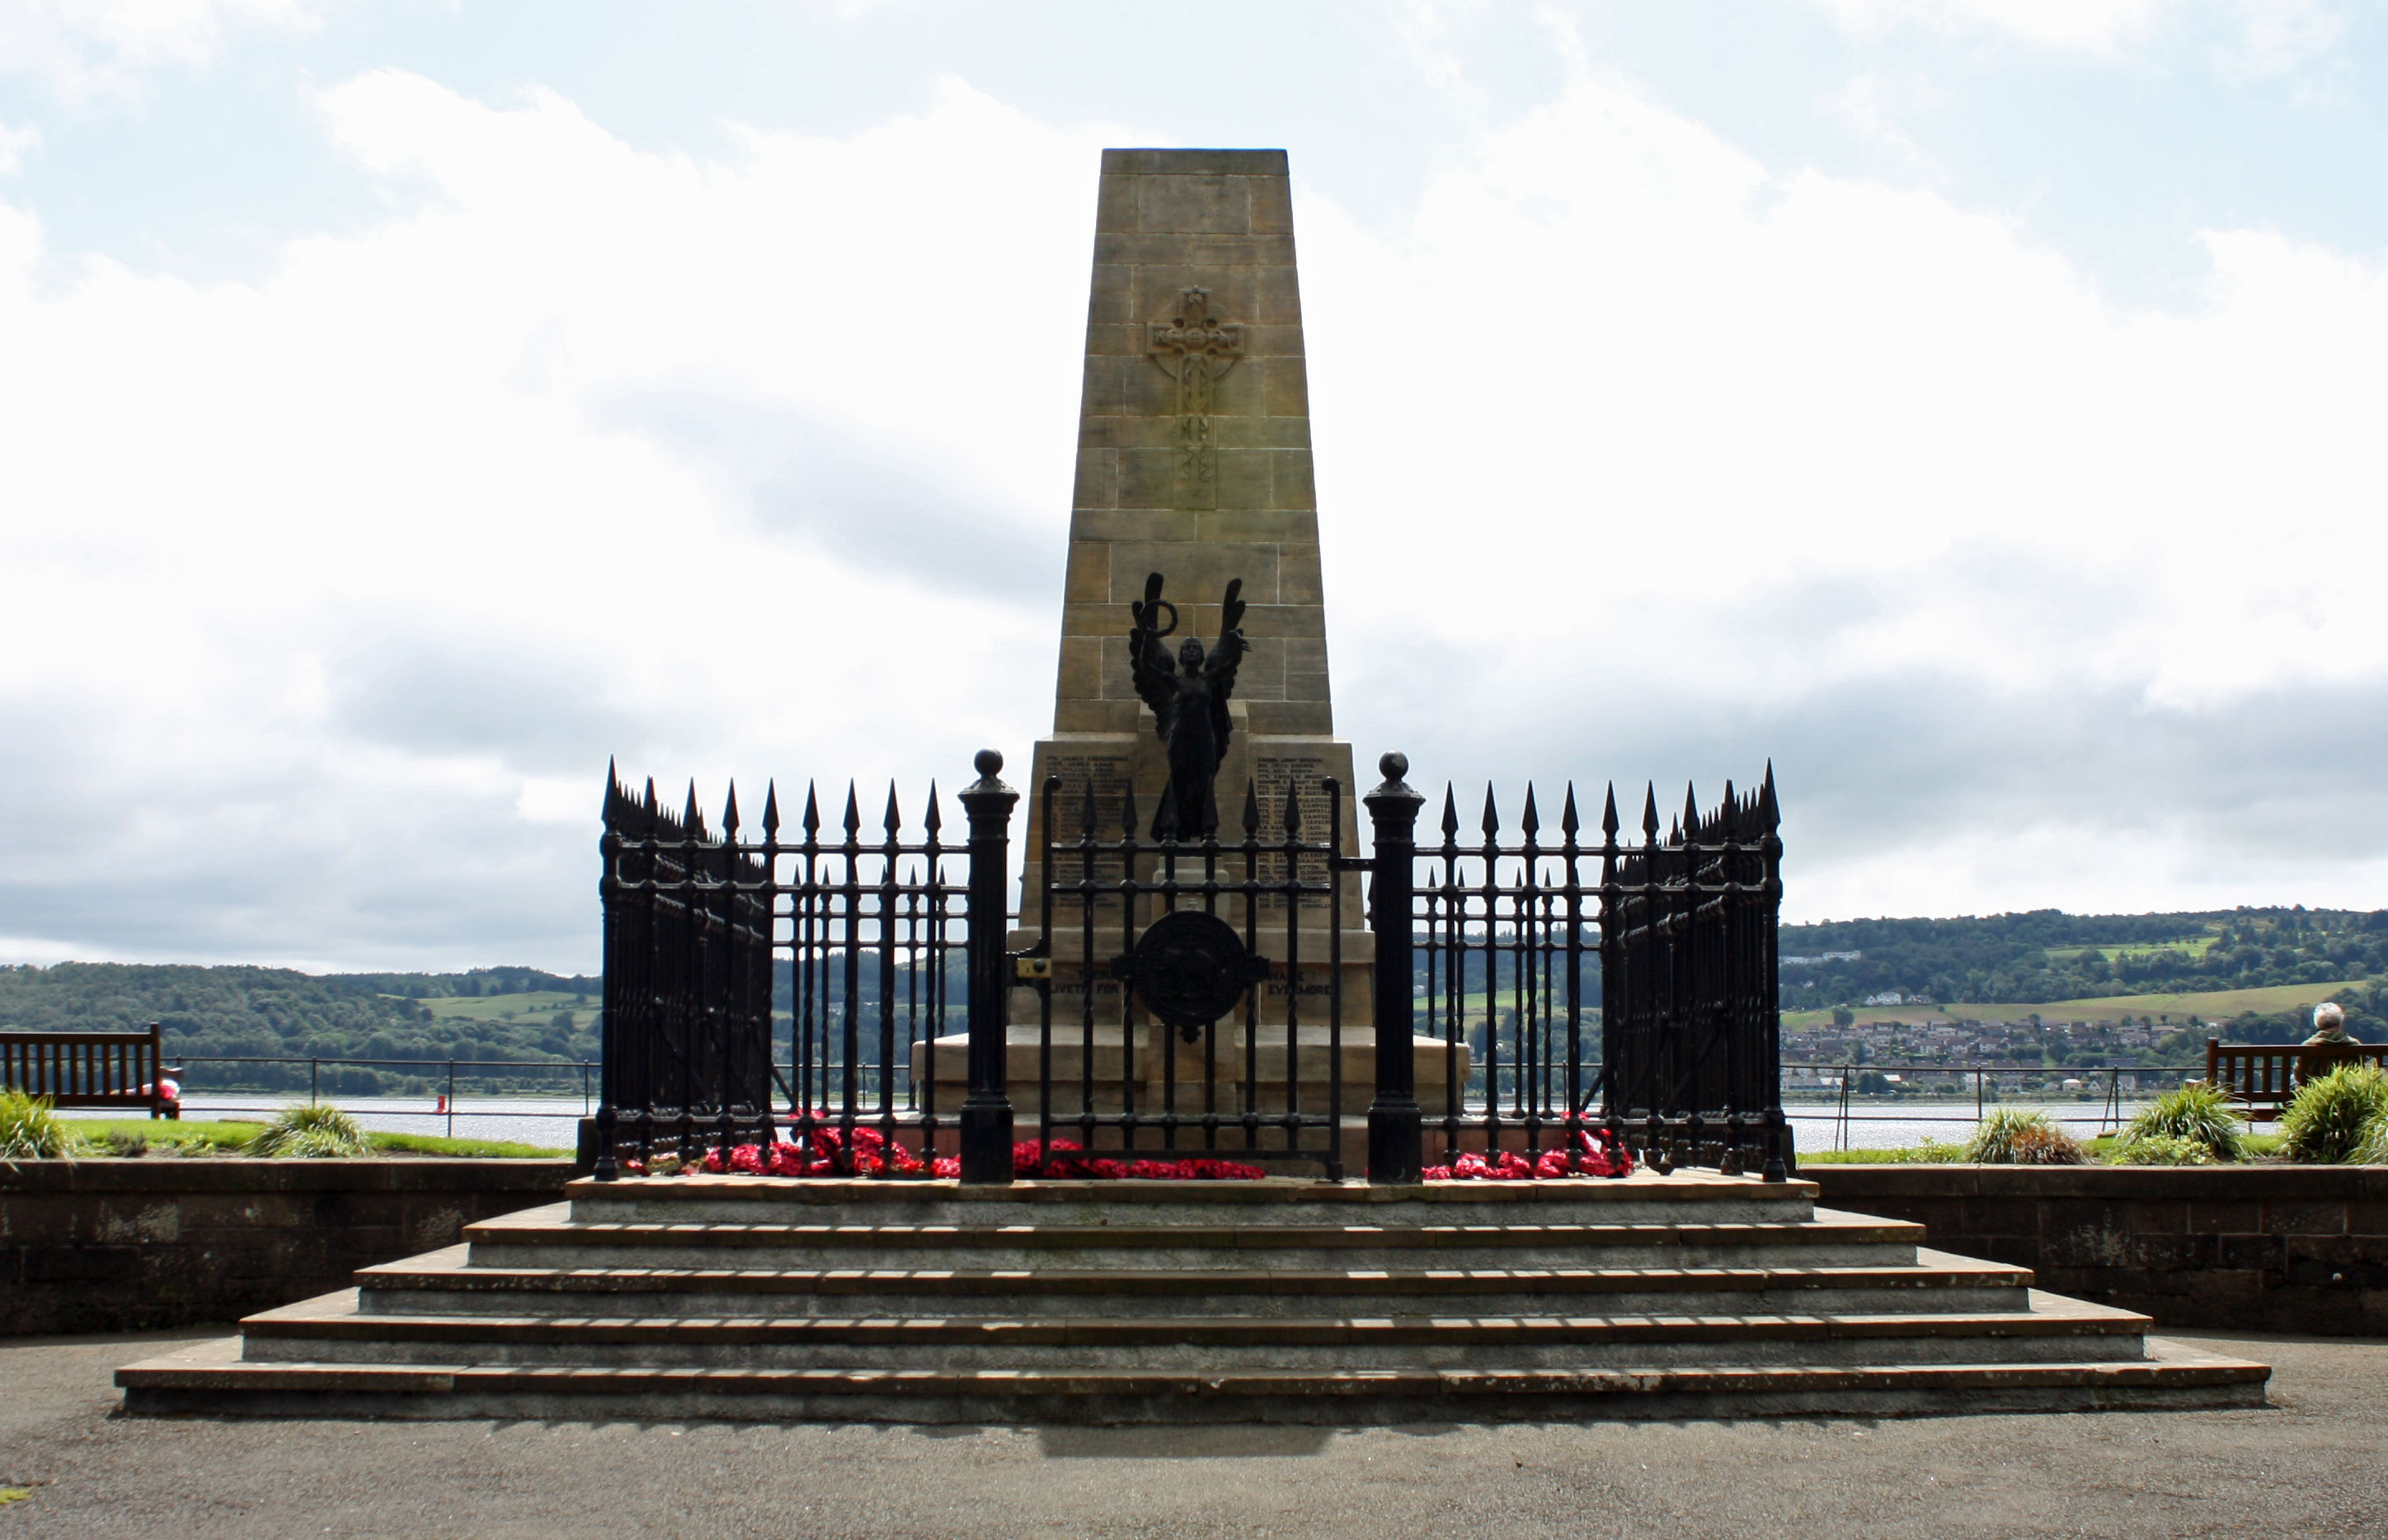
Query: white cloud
[2279,37]
[2083,26]
[1777,447]
[84,48]
[2264,37]
[1873,106]
[337,573]
[327,597]
[15,145]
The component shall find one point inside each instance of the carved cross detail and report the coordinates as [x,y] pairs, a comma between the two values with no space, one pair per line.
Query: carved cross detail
[1194,350]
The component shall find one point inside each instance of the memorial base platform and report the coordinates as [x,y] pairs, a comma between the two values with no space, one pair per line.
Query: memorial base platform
[753,1298]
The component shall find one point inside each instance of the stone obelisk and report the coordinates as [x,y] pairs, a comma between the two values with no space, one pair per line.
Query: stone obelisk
[1194,463]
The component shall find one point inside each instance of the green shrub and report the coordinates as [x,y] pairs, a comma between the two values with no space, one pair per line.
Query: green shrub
[2162,1149]
[316,1132]
[31,1129]
[2013,1137]
[2331,1114]
[2197,1112]
[2373,1150]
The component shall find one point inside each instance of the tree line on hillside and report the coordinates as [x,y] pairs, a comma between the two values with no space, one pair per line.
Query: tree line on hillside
[2043,956]
[2046,955]
[238,1012]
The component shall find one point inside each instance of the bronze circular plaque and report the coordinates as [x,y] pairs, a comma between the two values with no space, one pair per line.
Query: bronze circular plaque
[1191,968]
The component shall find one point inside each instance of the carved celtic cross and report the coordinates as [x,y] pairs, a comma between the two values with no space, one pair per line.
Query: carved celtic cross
[1194,350]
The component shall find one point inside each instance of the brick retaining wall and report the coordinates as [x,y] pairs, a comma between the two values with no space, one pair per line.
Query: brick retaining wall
[109,1245]
[2274,1249]
[120,1244]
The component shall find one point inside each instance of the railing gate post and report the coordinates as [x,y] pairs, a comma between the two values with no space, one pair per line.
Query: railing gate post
[986,1127]
[1395,1139]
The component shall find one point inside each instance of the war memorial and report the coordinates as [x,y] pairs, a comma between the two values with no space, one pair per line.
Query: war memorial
[1208,1109]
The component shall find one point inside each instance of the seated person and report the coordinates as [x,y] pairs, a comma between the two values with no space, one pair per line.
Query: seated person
[2329,1027]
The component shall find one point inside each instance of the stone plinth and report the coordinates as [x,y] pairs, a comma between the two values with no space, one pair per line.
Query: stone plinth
[1194,461]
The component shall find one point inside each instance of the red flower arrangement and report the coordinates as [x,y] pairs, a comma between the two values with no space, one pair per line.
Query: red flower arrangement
[1582,1157]
[1063,1160]
[866,1152]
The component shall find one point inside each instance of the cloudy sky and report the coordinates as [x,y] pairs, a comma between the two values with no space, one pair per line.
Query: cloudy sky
[1976,406]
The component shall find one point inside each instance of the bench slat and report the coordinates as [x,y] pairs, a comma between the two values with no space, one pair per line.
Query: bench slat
[2263,1076]
[87,1069]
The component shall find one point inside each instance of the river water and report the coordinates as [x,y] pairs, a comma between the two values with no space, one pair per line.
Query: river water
[552,1121]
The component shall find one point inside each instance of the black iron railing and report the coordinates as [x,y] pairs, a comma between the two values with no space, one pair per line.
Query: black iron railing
[1687,950]
[861,954]
[839,947]
[1190,1020]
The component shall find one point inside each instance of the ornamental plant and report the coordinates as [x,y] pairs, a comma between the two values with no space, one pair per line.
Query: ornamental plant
[2197,1112]
[2332,1116]
[2013,1137]
[320,1132]
[31,1129]
[2373,1150]
[2161,1149]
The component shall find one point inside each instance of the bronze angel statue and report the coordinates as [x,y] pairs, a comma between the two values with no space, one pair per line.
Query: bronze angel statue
[1189,698]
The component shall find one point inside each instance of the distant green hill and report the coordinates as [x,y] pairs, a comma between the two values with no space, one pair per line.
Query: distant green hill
[522,1017]
[2047,957]
[488,1016]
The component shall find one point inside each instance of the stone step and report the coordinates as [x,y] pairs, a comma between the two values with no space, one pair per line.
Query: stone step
[546,1238]
[442,1283]
[332,1329]
[211,1378]
[1638,1199]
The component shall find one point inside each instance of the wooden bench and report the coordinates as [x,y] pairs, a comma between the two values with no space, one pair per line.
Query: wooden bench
[88,1070]
[2261,1077]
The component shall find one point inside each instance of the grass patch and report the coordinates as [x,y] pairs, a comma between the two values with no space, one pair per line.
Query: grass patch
[2210,1005]
[540,1005]
[162,1132]
[14,1494]
[475,1149]
[2102,1150]
[2188,946]
[1868,1157]
[191,1137]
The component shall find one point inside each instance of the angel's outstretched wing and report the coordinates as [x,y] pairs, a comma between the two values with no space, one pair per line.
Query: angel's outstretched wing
[1220,670]
[1149,664]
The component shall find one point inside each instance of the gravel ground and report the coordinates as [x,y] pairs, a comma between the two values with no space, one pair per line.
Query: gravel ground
[2315,1464]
